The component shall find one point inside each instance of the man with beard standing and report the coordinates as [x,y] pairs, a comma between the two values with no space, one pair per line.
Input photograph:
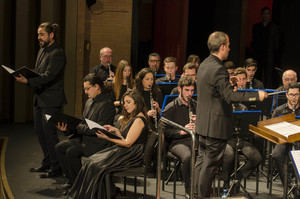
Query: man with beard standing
[49,95]
[214,110]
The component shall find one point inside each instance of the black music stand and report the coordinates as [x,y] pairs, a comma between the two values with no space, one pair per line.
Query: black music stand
[242,120]
[166,87]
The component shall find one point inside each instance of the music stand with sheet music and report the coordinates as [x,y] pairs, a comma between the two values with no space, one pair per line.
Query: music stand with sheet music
[263,130]
[295,157]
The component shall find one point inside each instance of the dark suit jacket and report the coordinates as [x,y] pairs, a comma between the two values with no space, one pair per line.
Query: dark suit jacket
[101,110]
[214,98]
[49,87]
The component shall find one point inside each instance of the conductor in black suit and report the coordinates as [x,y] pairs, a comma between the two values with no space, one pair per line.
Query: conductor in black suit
[214,110]
[49,95]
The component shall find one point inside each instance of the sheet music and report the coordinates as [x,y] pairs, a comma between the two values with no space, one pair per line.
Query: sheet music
[296,159]
[47,116]
[91,124]
[8,69]
[284,128]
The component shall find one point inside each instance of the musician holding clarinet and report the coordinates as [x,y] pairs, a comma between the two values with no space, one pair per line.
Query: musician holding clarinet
[144,84]
[182,111]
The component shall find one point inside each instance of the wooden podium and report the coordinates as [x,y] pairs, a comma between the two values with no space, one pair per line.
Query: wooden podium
[278,138]
[273,136]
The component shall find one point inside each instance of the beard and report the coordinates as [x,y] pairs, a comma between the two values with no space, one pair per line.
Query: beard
[44,44]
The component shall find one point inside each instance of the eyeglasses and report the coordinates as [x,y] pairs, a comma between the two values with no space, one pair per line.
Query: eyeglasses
[289,79]
[87,88]
[154,60]
[293,95]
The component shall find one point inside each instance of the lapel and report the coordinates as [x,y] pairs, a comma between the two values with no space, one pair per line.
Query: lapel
[39,58]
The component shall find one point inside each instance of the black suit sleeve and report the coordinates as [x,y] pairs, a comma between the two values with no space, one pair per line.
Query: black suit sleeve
[105,115]
[223,88]
[54,68]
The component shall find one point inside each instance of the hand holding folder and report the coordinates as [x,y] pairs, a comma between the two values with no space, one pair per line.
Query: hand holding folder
[26,72]
[93,125]
[71,121]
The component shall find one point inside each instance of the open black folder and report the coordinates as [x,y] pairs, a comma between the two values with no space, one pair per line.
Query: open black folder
[26,72]
[71,121]
[93,125]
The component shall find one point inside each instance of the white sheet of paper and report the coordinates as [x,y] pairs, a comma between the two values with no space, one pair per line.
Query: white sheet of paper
[284,128]
[91,124]
[296,159]
[8,69]
[48,116]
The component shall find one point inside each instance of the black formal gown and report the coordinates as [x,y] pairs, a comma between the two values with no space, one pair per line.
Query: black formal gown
[90,182]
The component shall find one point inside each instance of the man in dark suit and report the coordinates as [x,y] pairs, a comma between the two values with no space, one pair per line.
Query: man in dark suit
[83,141]
[49,95]
[214,110]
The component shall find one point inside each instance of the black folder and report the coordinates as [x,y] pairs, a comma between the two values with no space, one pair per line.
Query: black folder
[93,125]
[26,72]
[71,121]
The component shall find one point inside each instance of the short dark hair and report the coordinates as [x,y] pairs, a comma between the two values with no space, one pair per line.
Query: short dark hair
[154,54]
[94,79]
[293,85]
[186,81]
[49,28]
[239,71]
[193,59]
[229,65]
[216,40]
[169,59]
[190,66]
[250,62]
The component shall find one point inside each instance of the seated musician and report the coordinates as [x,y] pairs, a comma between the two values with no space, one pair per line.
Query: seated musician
[280,151]
[245,140]
[251,68]
[189,70]
[83,141]
[170,68]
[144,84]
[181,111]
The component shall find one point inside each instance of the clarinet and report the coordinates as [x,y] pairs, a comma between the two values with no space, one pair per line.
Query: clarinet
[190,110]
[127,83]
[169,79]
[250,84]
[152,108]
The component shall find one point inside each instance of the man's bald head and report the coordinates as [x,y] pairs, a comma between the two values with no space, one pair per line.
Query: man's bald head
[289,76]
[105,56]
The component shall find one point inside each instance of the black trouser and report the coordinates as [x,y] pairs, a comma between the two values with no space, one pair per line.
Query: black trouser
[69,153]
[210,154]
[47,135]
[183,152]
[248,150]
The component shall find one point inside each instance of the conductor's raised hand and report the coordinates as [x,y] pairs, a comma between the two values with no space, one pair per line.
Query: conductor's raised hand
[262,95]
[62,126]
[233,80]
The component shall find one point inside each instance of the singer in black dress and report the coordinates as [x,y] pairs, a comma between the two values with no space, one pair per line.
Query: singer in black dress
[127,152]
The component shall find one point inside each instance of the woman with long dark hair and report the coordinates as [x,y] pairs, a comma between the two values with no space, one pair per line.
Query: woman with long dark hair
[145,85]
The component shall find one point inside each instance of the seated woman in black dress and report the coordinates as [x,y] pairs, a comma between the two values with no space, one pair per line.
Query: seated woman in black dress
[127,152]
[145,85]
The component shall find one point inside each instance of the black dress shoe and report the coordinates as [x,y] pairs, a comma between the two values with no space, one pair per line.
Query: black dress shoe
[40,169]
[51,174]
